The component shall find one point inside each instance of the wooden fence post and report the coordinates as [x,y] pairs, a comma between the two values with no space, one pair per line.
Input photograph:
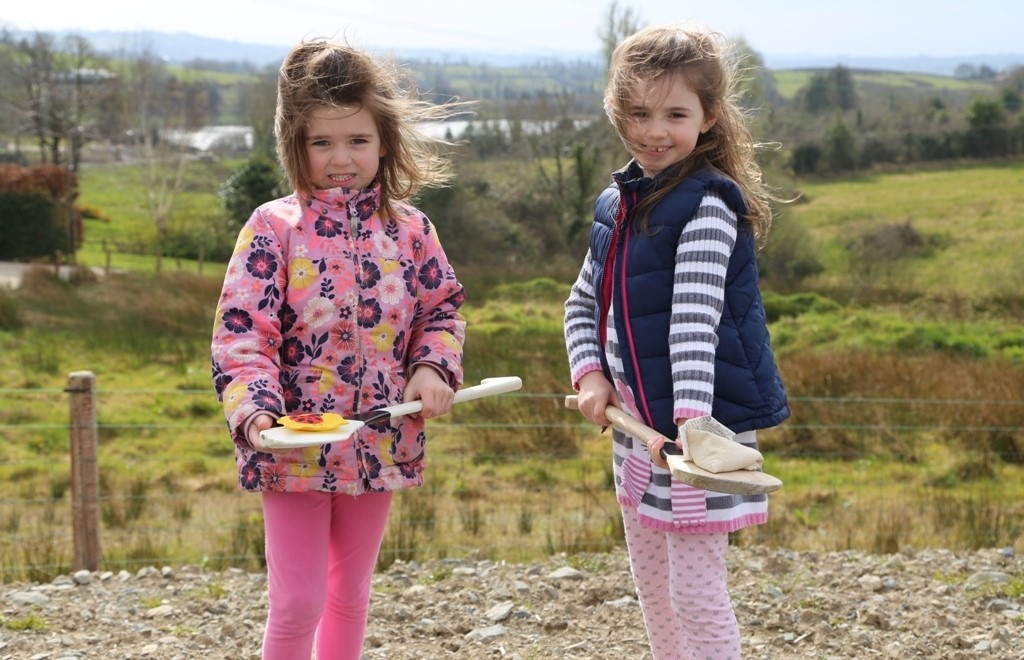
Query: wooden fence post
[85,477]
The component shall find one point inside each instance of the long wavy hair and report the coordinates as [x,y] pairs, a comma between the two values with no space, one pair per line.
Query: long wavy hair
[699,58]
[323,73]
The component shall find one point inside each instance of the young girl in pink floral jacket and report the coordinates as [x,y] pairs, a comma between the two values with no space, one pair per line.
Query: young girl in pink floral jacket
[338,298]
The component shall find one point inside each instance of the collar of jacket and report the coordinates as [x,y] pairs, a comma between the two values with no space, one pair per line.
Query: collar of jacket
[365,201]
[631,179]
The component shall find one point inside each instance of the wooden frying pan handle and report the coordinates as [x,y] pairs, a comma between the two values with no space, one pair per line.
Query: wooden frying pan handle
[626,423]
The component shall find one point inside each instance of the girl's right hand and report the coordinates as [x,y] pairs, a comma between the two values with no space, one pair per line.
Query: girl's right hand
[595,394]
[261,422]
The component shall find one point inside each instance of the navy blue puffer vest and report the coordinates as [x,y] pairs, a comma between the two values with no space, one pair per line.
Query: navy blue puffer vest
[748,391]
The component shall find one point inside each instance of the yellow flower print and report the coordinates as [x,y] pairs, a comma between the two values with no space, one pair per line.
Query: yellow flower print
[307,466]
[326,381]
[451,341]
[234,395]
[244,238]
[301,273]
[383,337]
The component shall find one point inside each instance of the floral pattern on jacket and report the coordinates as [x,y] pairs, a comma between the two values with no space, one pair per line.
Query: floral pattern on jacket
[326,308]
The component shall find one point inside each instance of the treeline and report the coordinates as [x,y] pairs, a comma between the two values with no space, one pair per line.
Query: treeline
[846,128]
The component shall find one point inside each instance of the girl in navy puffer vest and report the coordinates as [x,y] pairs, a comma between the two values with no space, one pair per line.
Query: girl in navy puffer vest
[666,322]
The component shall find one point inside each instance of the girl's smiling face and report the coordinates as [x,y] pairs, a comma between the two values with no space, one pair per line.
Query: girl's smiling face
[343,147]
[666,119]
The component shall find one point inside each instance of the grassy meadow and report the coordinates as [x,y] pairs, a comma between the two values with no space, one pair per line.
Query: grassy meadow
[790,81]
[907,379]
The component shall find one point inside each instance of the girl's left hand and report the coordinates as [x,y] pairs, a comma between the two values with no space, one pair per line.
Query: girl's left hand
[427,386]
[654,449]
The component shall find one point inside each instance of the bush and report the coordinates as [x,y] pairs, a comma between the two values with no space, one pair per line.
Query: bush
[790,255]
[55,185]
[31,225]
[210,246]
[89,212]
[777,306]
[256,182]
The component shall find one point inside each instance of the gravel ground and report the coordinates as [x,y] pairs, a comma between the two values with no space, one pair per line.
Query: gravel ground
[926,604]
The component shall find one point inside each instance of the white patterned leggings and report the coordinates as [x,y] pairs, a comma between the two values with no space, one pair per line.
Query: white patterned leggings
[681,585]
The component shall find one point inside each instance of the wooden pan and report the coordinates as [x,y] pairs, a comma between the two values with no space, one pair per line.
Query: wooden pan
[279,437]
[737,482]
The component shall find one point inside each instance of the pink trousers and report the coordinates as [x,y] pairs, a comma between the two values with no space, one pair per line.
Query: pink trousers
[321,552]
[681,585]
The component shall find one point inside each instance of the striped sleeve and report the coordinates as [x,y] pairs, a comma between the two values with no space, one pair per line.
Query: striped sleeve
[582,340]
[698,296]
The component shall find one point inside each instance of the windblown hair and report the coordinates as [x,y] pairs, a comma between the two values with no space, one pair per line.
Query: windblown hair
[323,73]
[699,58]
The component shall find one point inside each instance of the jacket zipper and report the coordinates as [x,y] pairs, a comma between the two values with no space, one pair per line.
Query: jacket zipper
[639,396]
[355,225]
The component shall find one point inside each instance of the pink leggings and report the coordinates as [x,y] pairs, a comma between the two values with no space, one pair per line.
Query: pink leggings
[680,583]
[321,552]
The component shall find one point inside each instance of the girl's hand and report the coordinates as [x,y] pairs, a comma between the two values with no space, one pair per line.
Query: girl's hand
[261,422]
[654,449]
[595,394]
[433,391]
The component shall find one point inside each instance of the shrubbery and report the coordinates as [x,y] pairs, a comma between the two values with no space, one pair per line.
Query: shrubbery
[30,226]
[34,211]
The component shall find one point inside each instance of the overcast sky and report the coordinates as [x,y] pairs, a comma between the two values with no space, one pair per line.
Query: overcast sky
[873,28]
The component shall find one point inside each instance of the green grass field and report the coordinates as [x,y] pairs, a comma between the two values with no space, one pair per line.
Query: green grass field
[973,216]
[791,81]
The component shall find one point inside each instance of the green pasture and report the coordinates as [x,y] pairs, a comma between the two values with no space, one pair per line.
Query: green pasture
[791,81]
[971,219]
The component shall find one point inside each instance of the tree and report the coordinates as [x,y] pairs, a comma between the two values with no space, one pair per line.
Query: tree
[33,94]
[806,158]
[842,149]
[158,114]
[618,24]
[756,84]
[986,135]
[831,90]
[85,83]
[817,96]
[51,90]
[845,88]
[257,102]
[1013,101]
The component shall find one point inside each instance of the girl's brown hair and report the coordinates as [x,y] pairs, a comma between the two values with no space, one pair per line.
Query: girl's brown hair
[318,73]
[698,57]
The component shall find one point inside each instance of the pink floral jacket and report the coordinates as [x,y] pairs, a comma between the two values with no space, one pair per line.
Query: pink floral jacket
[326,307]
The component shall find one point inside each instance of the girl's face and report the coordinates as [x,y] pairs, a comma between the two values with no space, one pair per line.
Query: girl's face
[343,147]
[666,118]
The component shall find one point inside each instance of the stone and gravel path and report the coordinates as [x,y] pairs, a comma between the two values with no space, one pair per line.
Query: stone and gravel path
[926,604]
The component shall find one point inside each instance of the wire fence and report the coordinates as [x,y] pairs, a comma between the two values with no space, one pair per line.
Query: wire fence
[517,476]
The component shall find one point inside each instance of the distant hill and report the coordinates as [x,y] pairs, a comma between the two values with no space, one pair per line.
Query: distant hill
[180,47]
[183,47]
[942,66]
